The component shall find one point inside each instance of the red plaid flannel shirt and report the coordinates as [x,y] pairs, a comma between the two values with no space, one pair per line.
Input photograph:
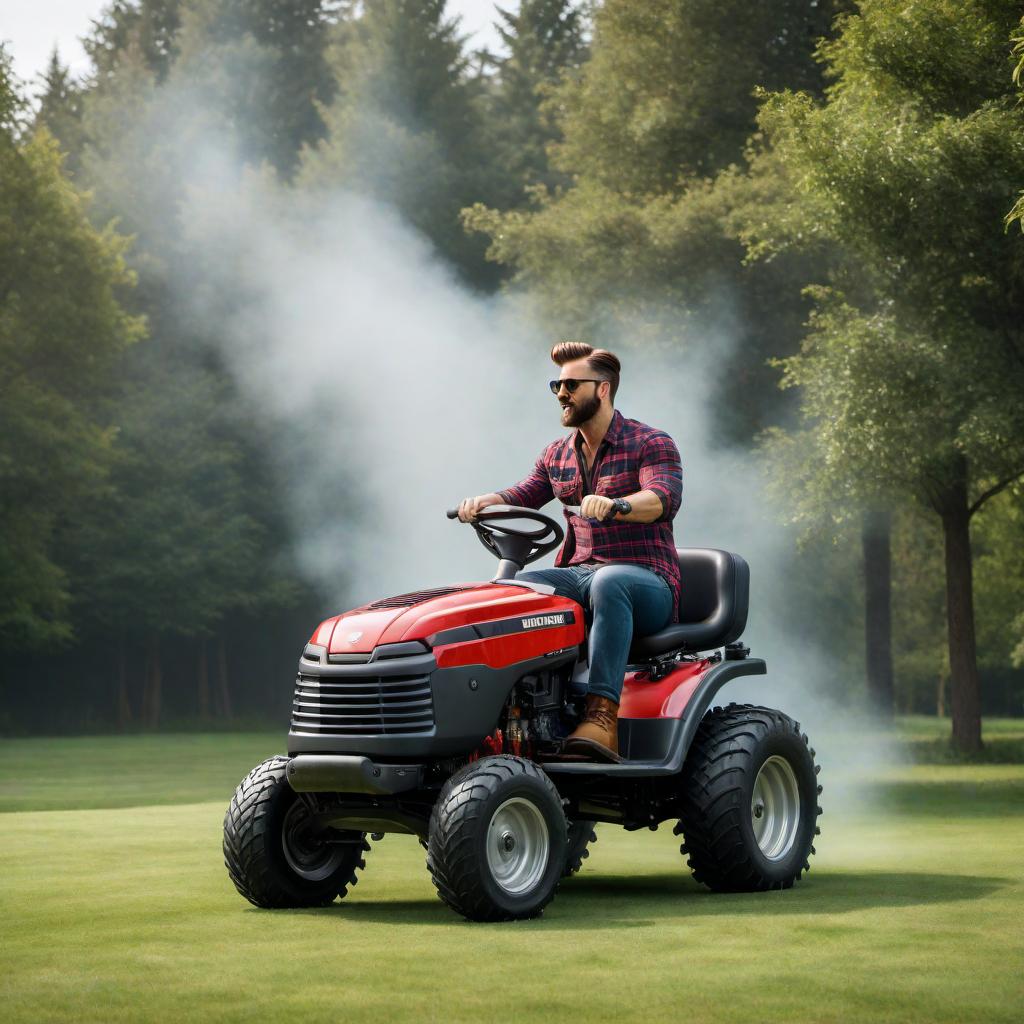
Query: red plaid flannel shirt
[632,457]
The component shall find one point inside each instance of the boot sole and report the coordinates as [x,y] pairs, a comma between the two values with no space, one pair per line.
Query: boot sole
[589,750]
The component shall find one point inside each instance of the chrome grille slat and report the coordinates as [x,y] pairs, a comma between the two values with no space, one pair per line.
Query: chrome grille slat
[362,710]
[362,705]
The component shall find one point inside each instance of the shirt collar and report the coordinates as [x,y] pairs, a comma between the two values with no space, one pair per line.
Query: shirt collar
[613,436]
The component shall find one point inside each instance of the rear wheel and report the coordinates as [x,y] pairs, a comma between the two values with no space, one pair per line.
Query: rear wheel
[750,800]
[497,844]
[581,835]
[275,855]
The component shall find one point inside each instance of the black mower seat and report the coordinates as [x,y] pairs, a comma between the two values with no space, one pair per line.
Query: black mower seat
[712,606]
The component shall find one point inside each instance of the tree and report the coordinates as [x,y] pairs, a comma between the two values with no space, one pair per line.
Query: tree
[278,77]
[61,328]
[544,42]
[915,386]
[668,93]
[1017,213]
[645,240]
[151,26]
[60,110]
[407,124]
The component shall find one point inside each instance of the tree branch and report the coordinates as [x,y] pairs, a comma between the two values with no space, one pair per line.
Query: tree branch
[993,491]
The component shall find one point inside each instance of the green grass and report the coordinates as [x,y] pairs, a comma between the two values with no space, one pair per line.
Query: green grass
[913,911]
[86,772]
[928,740]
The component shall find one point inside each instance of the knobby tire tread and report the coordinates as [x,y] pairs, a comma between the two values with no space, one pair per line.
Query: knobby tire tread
[455,822]
[717,854]
[247,858]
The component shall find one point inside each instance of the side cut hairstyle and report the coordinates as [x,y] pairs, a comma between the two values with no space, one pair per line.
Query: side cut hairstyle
[605,364]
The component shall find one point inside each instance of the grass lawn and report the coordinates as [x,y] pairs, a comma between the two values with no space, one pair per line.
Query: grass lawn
[914,911]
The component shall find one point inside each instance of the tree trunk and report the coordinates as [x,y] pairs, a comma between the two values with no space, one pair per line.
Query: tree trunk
[154,684]
[223,690]
[876,541]
[940,695]
[204,683]
[124,707]
[965,688]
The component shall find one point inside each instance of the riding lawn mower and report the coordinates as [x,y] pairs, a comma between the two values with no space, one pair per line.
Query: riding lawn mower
[440,713]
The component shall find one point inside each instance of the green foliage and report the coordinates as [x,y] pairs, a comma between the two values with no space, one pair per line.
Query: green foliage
[544,42]
[669,90]
[910,175]
[267,59]
[407,124]
[60,110]
[645,243]
[147,26]
[261,65]
[1000,581]
[61,328]
[1017,213]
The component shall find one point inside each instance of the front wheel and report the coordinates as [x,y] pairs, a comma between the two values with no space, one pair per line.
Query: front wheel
[497,846]
[749,800]
[273,852]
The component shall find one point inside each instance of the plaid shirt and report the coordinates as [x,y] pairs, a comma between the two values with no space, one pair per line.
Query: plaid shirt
[632,457]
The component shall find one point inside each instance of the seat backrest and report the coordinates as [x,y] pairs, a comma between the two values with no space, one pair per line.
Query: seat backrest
[715,591]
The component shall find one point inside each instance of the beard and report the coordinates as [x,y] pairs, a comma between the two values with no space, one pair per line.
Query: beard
[580,411]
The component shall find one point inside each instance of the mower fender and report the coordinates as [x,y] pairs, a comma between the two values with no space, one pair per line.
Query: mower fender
[658,746]
[350,773]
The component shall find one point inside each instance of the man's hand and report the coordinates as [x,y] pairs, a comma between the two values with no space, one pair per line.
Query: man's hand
[470,508]
[595,506]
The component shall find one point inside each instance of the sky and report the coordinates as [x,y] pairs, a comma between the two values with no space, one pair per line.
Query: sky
[31,28]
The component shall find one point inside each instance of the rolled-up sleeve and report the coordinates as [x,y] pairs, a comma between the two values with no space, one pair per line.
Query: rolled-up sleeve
[661,471]
[533,492]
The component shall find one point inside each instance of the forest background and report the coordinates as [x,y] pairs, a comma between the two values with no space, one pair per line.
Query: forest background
[836,187]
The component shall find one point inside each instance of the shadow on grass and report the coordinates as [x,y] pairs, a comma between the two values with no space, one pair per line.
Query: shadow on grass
[621,901]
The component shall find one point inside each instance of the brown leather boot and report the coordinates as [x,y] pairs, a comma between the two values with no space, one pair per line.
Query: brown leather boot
[596,738]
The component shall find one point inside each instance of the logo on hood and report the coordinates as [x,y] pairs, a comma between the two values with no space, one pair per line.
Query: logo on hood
[540,621]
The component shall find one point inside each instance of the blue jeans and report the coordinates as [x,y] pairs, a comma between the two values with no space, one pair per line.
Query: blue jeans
[618,600]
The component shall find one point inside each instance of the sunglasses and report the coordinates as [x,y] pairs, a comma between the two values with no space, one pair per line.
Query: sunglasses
[572,383]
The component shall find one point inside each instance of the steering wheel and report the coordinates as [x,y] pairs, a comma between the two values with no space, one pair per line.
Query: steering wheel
[519,544]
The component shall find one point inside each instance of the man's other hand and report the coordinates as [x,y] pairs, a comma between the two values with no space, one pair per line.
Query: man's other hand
[595,506]
[470,508]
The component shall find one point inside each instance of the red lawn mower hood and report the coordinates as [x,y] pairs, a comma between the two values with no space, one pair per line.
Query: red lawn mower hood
[433,615]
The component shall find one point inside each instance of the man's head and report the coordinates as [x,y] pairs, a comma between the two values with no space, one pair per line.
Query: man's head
[596,368]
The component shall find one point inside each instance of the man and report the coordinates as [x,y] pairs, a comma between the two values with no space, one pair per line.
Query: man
[619,557]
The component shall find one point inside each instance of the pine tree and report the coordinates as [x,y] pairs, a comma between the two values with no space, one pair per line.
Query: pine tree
[151,25]
[60,110]
[406,126]
[544,41]
[284,80]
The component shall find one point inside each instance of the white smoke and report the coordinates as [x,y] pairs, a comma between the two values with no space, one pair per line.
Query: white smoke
[396,392]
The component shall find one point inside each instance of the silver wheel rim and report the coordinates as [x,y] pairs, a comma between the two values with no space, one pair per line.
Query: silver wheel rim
[775,808]
[307,856]
[518,846]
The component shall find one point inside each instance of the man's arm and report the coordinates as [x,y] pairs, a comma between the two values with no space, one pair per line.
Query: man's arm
[647,508]
[661,491]
[533,492]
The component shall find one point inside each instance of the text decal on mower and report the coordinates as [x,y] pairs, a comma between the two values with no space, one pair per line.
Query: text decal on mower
[500,627]
[539,621]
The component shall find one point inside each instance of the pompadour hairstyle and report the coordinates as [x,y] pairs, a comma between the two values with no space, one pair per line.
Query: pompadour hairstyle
[604,364]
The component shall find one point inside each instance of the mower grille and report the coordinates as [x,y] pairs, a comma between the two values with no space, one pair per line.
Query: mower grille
[362,706]
[416,597]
